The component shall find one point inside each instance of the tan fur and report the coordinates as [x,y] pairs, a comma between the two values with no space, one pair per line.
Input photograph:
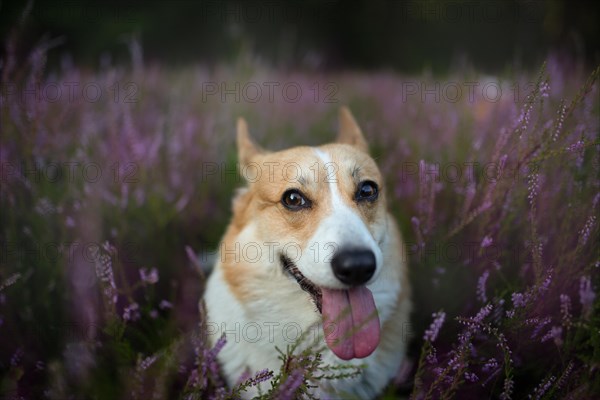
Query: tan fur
[349,132]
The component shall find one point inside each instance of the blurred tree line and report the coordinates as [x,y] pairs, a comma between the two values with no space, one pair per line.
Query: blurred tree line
[405,35]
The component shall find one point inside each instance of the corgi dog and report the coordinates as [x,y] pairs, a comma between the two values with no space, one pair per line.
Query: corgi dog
[311,248]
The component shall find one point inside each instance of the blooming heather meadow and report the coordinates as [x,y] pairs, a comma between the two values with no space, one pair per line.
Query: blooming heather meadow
[116,183]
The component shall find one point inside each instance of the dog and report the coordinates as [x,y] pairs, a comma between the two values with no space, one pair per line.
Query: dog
[311,245]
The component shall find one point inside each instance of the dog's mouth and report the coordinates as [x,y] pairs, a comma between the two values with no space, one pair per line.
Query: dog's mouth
[305,284]
[350,319]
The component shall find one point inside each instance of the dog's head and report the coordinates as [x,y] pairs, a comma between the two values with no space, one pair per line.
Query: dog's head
[323,210]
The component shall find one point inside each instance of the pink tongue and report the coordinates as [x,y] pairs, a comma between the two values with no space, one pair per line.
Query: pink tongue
[350,322]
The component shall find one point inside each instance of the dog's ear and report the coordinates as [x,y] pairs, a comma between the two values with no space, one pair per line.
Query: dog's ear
[247,149]
[349,131]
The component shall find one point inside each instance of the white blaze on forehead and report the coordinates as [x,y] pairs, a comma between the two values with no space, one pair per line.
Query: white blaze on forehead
[342,228]
[343,220]
[331,178]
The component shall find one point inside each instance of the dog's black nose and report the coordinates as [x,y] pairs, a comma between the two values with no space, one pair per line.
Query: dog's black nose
[353,267]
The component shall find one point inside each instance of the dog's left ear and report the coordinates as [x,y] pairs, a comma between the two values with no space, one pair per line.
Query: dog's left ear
[349,131]
[247,149]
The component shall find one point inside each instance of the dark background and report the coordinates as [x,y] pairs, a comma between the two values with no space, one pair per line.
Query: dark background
[407,36]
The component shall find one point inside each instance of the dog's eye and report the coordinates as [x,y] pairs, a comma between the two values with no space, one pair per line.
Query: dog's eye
[294,200]
[367,190]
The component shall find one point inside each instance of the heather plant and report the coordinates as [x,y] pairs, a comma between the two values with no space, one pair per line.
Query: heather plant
[525,330]
[114,190]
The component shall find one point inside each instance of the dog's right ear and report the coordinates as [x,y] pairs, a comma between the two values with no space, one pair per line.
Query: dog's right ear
[247,149]
[349,131]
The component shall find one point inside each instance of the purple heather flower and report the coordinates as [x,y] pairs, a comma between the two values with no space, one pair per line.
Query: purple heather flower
[432,333]
[542,388]
[586,295]
[577,146]
[69,222]
[164,304]
[287,391]
[218,346]
[10,281]
[437,371]
[483,312]
[455,362]
[498,310]
[584,233]
[533,185]
[261,376]
[104,272]
[194,379]
[508,388]
[209,357]
[417,228]
[508,382]
[486,242]
[138,376]
[596,200]
[539,325]
[499,170]
[561,382]
[559,121]
[481,295]
[554,333]
[523,120]
[546,284]
[432,171]
[45,207]
[131,312]
[78,358]
[220,394]
[147,362]
[149,277]
[519,299]
[565,310]
[490,365]
[544,89]
[431,358]
[17,356]
[471,377]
